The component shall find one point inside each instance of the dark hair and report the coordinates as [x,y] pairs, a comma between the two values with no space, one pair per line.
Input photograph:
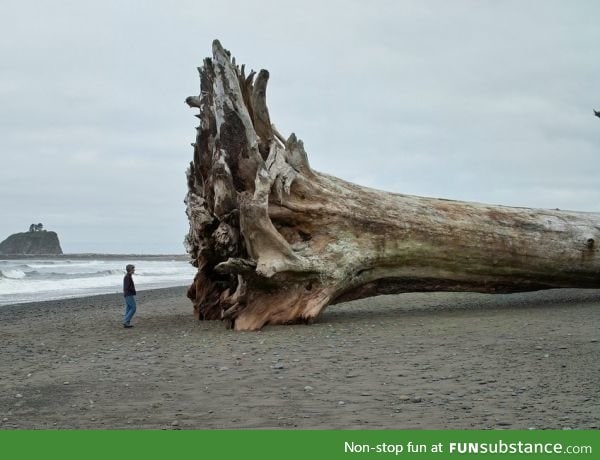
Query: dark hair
[129,268]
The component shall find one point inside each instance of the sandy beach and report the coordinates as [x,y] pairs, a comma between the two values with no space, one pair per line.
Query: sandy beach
[413,361]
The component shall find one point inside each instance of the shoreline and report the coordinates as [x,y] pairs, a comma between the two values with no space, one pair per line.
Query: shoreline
[82,298]
[32,279]
[410,361]
[85,255]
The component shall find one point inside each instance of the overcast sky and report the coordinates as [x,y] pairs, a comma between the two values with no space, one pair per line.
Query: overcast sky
[487,101]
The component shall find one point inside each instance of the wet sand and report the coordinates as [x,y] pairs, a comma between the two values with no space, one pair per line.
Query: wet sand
[413,361]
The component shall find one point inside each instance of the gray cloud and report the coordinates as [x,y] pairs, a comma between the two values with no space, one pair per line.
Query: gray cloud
[480,101]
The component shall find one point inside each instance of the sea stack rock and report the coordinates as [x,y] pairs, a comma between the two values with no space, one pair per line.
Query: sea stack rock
[34,242]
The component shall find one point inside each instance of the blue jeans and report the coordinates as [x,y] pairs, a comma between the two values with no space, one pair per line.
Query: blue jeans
[130,308]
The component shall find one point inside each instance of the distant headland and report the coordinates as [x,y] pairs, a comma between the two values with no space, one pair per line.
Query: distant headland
[36,241]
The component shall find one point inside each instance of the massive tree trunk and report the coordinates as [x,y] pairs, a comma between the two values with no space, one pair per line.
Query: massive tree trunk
[276,242]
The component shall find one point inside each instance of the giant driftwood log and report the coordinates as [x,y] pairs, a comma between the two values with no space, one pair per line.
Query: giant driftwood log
[275,242]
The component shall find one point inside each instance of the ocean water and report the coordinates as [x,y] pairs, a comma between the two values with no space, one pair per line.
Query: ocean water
[38,279]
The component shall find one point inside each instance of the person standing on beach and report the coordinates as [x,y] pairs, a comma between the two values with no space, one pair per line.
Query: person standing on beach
[129,294]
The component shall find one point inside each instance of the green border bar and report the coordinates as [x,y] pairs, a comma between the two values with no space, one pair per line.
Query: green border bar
[305,445]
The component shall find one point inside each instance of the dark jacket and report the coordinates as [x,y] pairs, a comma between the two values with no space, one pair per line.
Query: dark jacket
[128,286]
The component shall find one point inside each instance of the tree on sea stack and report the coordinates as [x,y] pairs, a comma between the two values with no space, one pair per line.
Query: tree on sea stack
[275,242]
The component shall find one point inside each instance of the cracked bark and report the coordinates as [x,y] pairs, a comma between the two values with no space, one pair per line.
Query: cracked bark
[275,242]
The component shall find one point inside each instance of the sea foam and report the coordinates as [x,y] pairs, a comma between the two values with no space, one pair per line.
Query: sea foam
[25,280]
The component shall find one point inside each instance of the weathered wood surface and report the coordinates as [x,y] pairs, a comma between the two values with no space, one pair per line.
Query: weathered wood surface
[276,242]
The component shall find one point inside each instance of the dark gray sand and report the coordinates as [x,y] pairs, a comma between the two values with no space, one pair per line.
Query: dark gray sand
[413,361]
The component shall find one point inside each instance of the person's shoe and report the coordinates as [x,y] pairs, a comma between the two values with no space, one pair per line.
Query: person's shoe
[127,326]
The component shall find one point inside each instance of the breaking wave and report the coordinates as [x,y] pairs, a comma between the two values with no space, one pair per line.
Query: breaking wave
[37,280]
